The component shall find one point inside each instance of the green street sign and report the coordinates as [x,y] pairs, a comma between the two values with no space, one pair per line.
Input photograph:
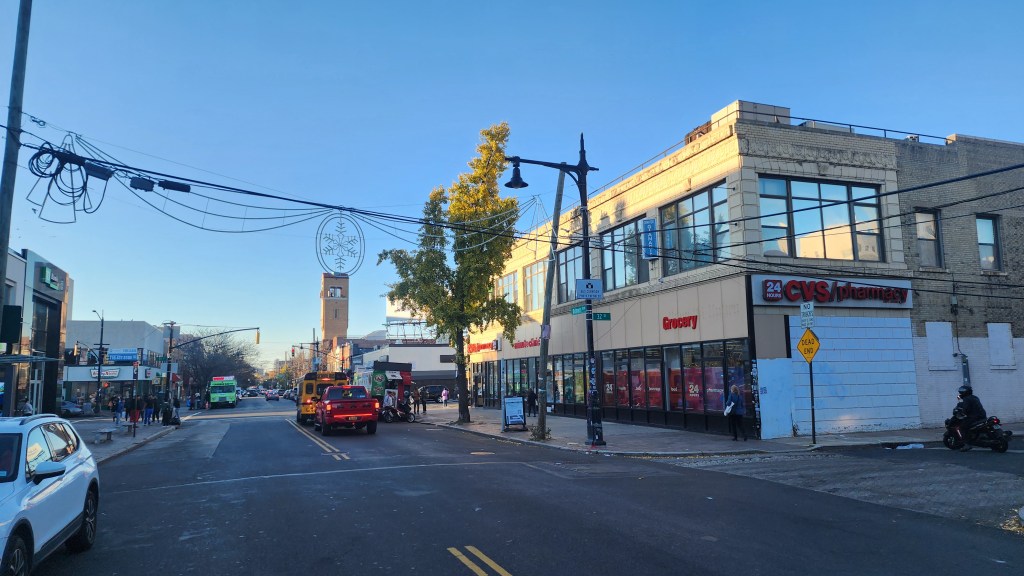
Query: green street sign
[579,309]
[602,315]
[161,358]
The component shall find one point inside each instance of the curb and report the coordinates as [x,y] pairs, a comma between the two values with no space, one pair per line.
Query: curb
[135,445]
[597,451]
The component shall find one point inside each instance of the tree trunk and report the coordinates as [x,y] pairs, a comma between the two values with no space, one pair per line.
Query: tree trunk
[460,377]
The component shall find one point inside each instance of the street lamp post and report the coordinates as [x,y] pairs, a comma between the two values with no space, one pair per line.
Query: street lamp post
[99,359]
[595,430]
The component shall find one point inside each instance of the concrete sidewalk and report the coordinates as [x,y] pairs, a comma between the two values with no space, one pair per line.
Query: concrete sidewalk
[121,441]
[569,433]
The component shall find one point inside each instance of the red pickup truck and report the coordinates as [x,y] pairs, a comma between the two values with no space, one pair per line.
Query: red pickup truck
[346,407]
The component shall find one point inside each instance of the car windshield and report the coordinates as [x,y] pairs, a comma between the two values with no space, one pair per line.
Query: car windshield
[9,448]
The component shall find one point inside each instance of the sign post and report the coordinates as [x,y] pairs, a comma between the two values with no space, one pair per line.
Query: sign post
[808,347]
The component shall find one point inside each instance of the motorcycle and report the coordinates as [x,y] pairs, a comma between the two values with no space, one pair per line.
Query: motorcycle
[391,414]
[987,434]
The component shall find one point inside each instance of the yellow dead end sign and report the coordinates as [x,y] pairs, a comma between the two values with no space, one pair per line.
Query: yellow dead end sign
[809,345]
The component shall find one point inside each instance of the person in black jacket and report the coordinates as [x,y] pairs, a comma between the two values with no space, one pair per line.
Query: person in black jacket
[974,413]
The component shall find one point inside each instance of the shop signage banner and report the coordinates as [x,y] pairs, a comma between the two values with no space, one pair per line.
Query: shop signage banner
[123,354]
[778,290]
[107,372]
[650,238]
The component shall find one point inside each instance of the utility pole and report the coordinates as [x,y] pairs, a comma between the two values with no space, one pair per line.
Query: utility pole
[99,359]
[541,431]
[170,348]
[10,170]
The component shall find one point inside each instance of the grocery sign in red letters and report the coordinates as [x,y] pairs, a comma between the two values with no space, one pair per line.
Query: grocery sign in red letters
[681,322]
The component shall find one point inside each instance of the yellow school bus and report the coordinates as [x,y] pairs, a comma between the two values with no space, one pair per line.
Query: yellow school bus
[312,387]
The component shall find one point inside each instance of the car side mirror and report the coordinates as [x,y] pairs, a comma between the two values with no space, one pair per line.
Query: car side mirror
[48,470]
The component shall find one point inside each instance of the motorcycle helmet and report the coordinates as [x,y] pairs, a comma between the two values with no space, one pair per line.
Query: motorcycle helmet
[965,390]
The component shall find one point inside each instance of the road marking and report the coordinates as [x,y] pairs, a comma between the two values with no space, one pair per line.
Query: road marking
[469,563]
[330,449]
[203,483]
[494,565]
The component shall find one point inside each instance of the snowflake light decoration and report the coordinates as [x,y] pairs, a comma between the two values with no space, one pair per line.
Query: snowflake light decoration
[340,245]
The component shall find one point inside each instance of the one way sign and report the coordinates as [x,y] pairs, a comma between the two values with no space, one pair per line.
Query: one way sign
[592,289]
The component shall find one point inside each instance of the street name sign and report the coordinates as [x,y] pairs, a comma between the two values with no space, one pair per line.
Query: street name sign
[602,315]
[579,309]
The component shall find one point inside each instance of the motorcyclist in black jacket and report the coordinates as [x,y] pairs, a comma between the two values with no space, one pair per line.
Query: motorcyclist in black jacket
[973,411]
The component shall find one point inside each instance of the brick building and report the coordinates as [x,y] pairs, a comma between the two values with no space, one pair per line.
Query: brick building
[707,254]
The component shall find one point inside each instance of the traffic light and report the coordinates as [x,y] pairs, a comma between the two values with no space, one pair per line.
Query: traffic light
[257,336]
[293,351]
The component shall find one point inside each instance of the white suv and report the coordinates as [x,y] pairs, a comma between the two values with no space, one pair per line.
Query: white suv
[49,491]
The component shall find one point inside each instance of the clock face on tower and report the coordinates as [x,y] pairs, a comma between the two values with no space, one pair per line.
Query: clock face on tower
[340,244]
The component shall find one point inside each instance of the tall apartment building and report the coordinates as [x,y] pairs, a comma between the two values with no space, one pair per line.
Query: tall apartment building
[909,247]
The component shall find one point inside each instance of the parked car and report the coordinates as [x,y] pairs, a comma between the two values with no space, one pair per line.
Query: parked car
[69,409]
[433,392]
[49,491]
[272,395]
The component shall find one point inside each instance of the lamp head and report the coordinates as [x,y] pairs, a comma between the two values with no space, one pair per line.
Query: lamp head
[517,179]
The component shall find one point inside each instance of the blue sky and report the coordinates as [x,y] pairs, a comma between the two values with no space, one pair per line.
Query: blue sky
[372,104]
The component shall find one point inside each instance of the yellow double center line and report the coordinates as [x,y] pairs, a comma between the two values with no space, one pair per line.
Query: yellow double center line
[473,565]
[330,450]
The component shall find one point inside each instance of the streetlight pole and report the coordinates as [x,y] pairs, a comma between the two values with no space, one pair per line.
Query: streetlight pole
[99,359]
[595,429]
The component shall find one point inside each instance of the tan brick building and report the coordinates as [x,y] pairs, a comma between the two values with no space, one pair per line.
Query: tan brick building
[707,254]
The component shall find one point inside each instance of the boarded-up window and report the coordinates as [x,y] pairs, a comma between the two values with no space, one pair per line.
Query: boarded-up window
[1000,346]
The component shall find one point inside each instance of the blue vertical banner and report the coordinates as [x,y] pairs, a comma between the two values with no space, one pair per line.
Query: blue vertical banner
[650,238]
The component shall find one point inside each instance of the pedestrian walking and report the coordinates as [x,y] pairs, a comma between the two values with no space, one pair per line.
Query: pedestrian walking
[423,402]
[118,410]
[736,412]
[177,406]
[531,403]
[444,397]
[415,401]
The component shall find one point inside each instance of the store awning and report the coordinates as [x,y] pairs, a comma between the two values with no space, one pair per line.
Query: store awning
[19,358]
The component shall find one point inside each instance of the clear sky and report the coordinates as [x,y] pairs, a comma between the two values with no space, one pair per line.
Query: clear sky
[372,104]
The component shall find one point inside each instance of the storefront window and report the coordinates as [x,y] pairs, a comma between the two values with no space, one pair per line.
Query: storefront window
[607,378]
[557,382]
[622,378]
[737,360]
[636,378]
[674,378]
[550,381]
[655,389]
[693,378]
[579,385]
[714,377]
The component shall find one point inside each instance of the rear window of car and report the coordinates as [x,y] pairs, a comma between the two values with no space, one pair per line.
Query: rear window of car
[346,393]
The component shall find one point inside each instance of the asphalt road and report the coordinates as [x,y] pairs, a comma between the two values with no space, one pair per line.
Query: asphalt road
[247,491]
